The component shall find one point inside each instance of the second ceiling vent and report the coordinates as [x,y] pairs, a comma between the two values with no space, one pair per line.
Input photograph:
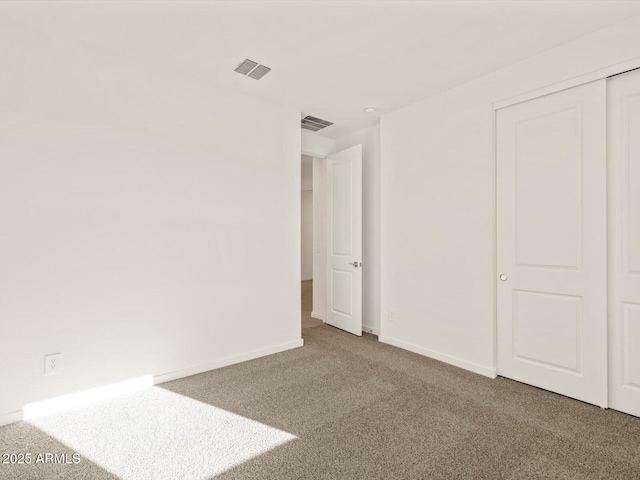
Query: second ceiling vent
[252,69]
[314,123]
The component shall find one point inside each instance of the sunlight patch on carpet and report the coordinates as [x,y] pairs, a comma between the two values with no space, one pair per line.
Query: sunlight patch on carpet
[152,433]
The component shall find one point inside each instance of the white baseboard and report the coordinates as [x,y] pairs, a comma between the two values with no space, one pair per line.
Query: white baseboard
[443,357]
[224,362]
[13,417]
[319,316]
[372,330]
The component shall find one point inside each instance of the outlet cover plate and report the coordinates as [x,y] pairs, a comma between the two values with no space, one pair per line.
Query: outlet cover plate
[52,363]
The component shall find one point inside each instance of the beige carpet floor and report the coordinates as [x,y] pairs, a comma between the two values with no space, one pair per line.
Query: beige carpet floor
[342,407]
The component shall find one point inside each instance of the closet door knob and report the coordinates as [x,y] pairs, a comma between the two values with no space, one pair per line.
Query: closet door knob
[503,277]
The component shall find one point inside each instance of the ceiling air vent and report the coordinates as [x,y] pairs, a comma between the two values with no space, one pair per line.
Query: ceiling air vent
[314,123]
[252,69]
[259,72]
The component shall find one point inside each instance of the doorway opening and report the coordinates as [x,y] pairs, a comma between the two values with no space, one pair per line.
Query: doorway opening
[307,242]
[331,239]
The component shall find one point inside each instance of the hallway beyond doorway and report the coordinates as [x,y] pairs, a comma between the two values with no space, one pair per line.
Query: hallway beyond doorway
[307,303]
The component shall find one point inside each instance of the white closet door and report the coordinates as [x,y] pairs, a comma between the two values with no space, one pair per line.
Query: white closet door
[624,241]
[551,213]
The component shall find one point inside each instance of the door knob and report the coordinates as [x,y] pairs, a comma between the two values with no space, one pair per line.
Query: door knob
[503,277]
[356,264]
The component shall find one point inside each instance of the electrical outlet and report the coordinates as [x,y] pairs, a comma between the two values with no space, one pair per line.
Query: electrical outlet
[52,363]
[392,316]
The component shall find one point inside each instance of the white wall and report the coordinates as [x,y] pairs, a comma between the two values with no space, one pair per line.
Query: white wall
[316,145]
[148,224]
[369,138]
[306,243]
[438,201]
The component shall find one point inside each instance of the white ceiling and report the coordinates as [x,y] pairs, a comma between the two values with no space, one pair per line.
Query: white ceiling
[330,59]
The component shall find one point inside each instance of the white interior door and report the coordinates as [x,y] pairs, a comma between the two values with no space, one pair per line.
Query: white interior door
[551,213]
[344,240]
[624,241]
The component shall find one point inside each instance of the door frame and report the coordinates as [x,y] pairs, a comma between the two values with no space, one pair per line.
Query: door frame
[599,74]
